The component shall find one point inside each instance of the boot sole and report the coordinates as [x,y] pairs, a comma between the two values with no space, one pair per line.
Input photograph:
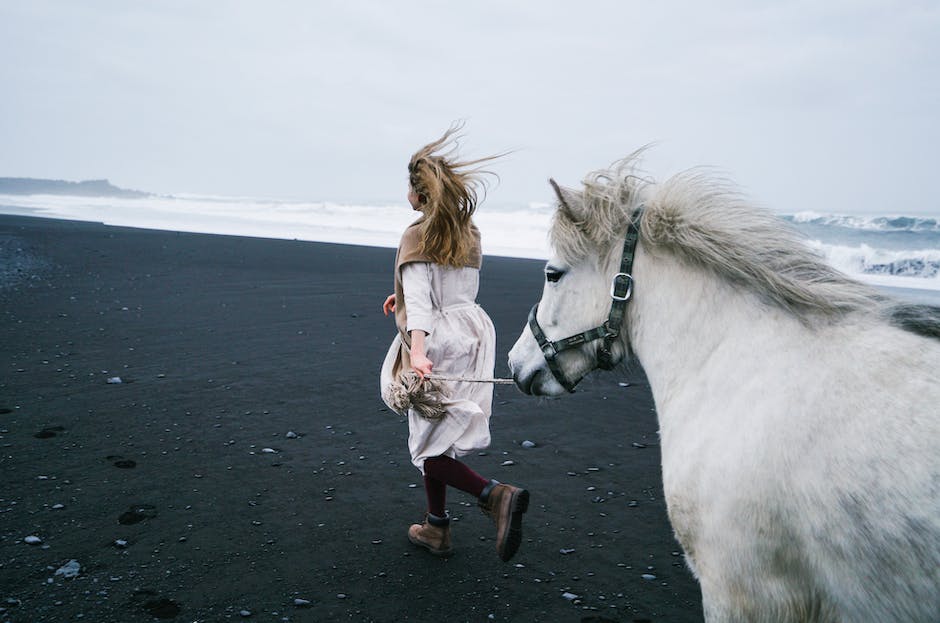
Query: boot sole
[436,552]
[518,505]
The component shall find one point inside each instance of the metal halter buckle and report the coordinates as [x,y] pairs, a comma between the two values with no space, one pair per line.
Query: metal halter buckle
[613,287]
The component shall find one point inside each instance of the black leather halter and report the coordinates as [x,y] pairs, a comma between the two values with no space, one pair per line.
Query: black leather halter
[621,288]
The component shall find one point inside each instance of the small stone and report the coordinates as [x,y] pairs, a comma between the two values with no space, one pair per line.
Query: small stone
[508,463]
[292,435]
[69,569]
[648,576]
[528,444]
[114,380]
[569,596]
[302,603]
[32,540]
[120,544]
[341,596]
[623,384]
[638,445]
[268,450]
[566,550]
[245,613]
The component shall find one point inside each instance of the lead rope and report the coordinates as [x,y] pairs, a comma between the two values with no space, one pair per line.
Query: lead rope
[463,379]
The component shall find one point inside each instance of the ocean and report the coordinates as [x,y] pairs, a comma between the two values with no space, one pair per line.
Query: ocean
[893,251]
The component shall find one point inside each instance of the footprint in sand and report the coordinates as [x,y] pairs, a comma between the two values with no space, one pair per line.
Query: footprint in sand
[120,462]
[162,608]
[137,513]
[48,432]
[159,607]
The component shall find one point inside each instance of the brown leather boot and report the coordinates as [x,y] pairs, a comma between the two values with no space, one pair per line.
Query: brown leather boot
[433,535]
[505,504]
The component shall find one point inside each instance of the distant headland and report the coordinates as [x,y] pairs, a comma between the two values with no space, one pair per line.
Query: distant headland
[87,188]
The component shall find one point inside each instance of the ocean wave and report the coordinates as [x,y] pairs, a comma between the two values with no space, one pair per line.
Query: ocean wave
[866,260]
[867,223]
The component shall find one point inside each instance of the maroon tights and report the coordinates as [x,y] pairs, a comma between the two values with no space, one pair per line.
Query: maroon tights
[440,471]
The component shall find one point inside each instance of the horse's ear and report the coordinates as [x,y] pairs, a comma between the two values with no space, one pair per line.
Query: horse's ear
[568,200]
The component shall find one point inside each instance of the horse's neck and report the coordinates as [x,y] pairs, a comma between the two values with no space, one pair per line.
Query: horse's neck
[682,315]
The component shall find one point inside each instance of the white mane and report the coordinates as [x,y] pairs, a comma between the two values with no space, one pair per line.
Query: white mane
[705,221]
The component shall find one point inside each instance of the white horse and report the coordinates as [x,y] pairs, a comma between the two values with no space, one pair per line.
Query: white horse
[799,410]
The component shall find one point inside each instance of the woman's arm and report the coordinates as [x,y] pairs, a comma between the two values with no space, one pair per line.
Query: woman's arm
[419,360]
[416,283]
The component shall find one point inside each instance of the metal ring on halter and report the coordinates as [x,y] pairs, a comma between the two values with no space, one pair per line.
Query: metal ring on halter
[613,287]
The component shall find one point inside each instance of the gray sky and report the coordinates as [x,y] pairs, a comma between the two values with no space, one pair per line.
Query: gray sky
[832,106]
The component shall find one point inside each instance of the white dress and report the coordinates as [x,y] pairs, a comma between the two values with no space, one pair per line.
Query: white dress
[461,341]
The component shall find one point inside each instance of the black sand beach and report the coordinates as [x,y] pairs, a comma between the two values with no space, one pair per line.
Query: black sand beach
[246,460]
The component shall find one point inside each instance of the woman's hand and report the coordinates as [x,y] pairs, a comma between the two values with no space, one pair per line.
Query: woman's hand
[389,304]
[421,364]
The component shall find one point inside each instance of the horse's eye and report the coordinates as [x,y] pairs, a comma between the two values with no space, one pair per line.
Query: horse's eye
[553,275]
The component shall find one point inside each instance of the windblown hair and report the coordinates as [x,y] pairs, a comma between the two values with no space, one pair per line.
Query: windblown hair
[448,190]
[705,221]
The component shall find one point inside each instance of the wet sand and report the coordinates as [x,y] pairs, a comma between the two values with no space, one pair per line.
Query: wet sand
[246,461]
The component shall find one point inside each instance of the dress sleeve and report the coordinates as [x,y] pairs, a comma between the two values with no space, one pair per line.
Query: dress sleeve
[416,283]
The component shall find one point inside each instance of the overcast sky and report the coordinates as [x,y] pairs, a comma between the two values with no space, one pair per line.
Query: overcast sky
[832,106]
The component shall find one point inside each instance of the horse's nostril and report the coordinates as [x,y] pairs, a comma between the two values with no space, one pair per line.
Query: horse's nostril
[524,383]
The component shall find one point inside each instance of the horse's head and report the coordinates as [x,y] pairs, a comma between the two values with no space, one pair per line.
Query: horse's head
[577,326]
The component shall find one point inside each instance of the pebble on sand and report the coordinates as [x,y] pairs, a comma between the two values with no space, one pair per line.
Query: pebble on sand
[528,444]
[32,540]
[69,569]
[114,380]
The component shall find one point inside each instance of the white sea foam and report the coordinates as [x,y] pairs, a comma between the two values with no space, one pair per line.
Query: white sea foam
[913,268]
[519,232]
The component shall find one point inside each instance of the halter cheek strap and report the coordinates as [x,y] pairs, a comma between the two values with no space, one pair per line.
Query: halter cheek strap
[621,288]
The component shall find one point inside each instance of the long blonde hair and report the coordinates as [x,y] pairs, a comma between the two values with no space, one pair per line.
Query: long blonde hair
[447,190]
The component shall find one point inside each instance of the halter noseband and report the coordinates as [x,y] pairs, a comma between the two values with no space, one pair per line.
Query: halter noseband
[621,288]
